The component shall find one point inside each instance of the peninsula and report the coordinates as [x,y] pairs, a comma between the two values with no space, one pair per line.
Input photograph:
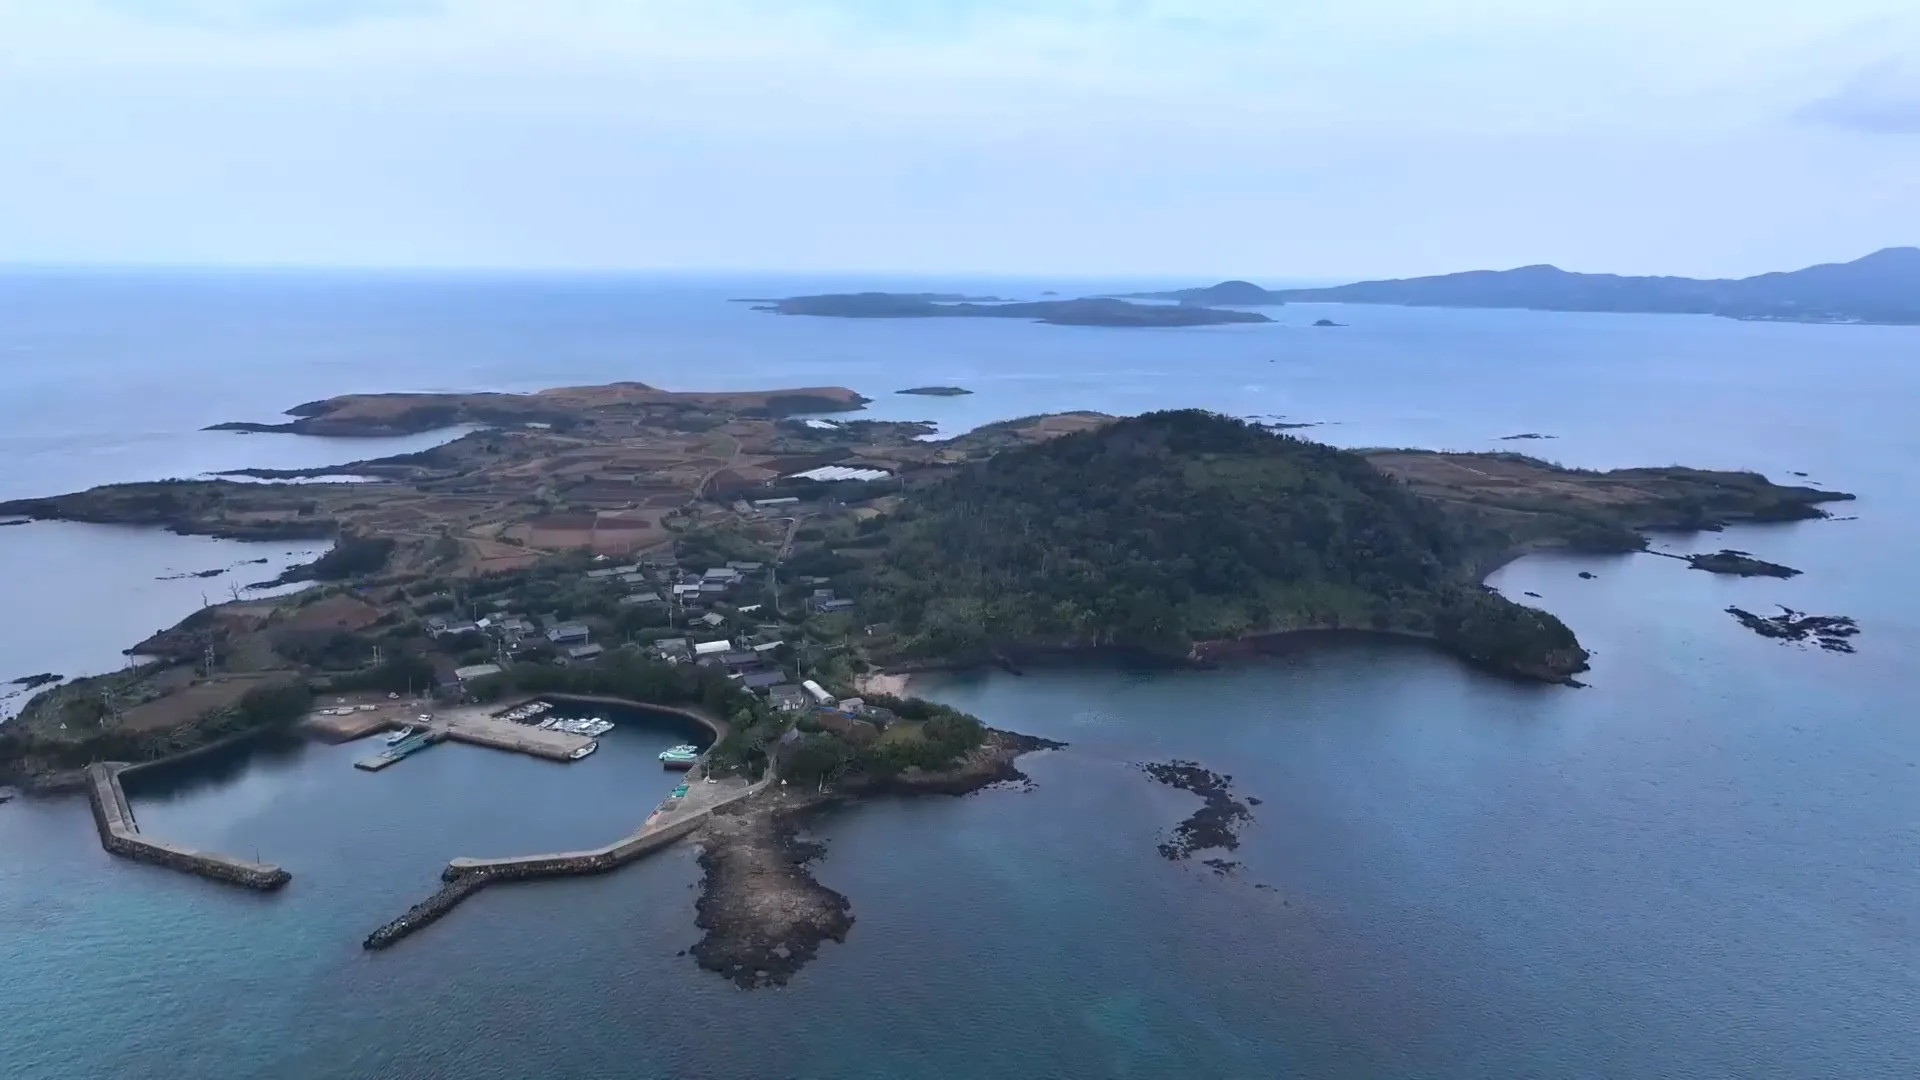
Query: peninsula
[1097,311]
[1883,287]
[936,391]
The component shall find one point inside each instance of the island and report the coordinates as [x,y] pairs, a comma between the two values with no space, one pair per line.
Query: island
[381,415]
[1326,322]
[1094,311]
[936,391]
[1883,287]
[1734,563]
[778,576]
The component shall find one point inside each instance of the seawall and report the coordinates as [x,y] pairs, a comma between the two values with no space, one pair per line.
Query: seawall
[120,835]
[464,877]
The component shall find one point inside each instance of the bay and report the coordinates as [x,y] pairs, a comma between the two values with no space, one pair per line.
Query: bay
[1701,866]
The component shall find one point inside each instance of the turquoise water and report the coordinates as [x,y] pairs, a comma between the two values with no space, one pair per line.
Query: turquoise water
[1702,866]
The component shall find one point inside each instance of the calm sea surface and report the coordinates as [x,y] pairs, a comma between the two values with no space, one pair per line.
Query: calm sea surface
[1705,865]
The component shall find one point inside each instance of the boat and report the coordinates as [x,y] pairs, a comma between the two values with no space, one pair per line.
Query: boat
[583,751]
[680,757]
[402,735]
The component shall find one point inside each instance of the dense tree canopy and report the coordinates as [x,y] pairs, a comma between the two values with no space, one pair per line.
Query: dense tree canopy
[1175,527]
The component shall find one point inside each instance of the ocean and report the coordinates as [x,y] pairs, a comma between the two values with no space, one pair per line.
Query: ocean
[1702,865]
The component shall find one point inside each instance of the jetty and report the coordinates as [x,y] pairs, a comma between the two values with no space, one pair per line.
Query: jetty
[675,819]
[121,835]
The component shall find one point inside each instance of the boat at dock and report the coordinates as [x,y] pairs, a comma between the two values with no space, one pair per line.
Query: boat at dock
[402,735]
[584,751]
[685,756]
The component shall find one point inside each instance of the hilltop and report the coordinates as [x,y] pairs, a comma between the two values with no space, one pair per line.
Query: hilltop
[1167,531]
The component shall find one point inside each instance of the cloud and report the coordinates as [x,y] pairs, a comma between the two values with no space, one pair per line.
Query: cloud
[1881,99]
[269,14]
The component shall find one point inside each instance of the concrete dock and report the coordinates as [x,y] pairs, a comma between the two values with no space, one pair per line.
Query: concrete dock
[474,726]
[120,834]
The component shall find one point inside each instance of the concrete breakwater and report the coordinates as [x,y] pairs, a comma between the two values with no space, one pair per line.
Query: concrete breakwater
[464,877]
[120,835]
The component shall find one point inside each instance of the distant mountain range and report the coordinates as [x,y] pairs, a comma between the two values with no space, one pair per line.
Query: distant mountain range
[1883,287]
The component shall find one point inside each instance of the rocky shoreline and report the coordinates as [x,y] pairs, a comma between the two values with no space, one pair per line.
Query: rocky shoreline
[763,913]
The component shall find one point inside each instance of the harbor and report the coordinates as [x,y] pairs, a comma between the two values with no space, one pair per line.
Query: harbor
[686,807]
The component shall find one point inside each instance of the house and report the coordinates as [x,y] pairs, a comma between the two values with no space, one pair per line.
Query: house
[817,692]
[857,731]
[834,605]
[583,653]
[787,697]
[767,646]
[851,706]
[673,648]
[762,504]
[762,680]
[745,567]
[686,590]
[712,648]
[713,619]
[725,574]
[603,573]
[713,588]
[641,598]
[476,671]
[435,625]
[740,658]
[569,634]
[635,578]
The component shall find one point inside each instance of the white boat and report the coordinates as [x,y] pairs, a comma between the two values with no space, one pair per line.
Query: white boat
[584,751]
[402,735]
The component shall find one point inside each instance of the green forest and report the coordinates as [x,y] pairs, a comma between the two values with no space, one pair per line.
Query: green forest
[1167,529]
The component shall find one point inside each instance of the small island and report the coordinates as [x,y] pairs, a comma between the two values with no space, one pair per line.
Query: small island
[1086,312]
[936,391]
[1327,322]
[1738,564]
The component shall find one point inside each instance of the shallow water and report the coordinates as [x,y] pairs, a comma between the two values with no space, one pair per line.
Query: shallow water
[1701,866]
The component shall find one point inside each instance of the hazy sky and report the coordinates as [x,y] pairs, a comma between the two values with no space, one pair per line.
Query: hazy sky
[1172,138]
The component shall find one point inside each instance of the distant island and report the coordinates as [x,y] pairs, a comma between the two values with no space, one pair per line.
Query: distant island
[1096,311]
[936,391]
[384,415]
[1883,287]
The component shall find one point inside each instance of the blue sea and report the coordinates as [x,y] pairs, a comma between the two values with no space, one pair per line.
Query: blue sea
[1706,864]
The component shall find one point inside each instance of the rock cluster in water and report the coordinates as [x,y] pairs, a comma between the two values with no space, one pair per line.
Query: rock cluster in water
[1830,632]
[1218,821]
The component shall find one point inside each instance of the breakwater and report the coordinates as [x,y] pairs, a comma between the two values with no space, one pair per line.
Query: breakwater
[120,835]
[464,877]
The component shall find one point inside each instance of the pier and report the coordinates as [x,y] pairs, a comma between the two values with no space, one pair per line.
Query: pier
[120,835]
[475,727]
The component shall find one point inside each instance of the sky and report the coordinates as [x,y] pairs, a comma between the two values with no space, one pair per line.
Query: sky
[1176,139]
